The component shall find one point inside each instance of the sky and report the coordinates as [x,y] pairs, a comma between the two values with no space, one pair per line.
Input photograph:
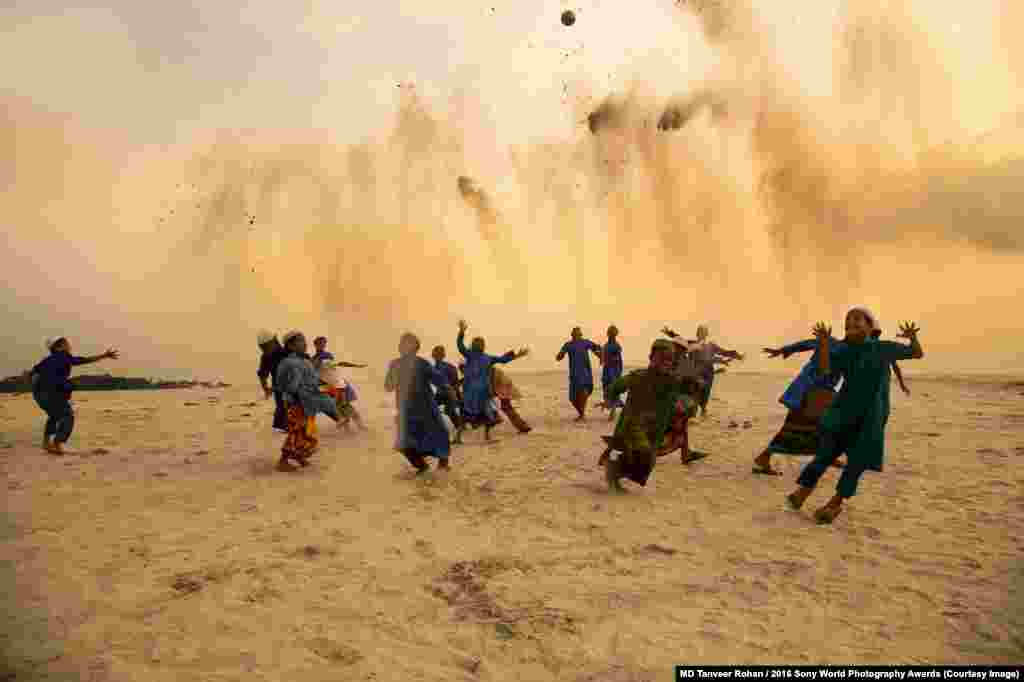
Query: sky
[181,175]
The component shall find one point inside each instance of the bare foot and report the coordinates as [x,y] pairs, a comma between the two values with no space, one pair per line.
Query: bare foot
[443,465]
[797,498]
[57,448]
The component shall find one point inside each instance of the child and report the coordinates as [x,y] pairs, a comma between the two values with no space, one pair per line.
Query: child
[299,383]
[505,392]
[270,359]
[477,407]
[342,391]
[704,353]
[449,396]
[651,404]
[581,376]
[855,421]
[611,370]
[807,397]
[52,387]
[421,431]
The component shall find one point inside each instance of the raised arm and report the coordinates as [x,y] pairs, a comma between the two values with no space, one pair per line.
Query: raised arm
[892,351]
[509,356]
[823,333]
[89,359]
[909,330]
[669,333]
[461,338]
[799,347]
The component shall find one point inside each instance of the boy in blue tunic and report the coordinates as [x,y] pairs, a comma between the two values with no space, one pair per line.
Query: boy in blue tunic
[477,406]
[611,370]
[421,431]
[52,387]
[581,376]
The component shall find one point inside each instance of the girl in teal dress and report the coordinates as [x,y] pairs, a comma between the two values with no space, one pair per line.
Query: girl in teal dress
[855,421]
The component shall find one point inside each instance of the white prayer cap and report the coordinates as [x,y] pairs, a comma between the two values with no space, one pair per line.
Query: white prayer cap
[265,336]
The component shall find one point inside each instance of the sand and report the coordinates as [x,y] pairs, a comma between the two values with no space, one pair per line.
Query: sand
[167,547]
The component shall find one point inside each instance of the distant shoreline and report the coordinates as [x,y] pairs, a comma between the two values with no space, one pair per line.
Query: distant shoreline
[106,382]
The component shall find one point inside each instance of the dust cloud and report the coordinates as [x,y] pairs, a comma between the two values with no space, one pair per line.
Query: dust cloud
[739,166]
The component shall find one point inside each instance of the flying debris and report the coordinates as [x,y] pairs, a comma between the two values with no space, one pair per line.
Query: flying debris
[568,18]
[678,114]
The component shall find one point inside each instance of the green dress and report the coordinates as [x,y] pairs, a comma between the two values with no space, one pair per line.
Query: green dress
[650,406]
[858,415]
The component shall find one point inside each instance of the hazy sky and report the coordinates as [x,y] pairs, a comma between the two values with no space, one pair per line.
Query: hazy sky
[180,175]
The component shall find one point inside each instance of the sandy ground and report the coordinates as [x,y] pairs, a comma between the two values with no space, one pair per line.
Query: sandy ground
[166,547]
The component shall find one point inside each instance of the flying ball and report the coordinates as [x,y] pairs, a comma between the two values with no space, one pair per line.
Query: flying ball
[568,18]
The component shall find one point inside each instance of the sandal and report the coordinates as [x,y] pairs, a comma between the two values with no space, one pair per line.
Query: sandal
[827,514]
[693,457]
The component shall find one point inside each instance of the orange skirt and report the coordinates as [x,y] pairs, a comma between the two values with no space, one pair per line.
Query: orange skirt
[301,441]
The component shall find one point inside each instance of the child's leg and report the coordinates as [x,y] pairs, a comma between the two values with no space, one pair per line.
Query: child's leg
[64,423]
[513,416]
[845,489]
[828,450]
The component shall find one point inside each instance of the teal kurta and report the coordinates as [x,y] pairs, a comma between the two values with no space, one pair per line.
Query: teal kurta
[859,414]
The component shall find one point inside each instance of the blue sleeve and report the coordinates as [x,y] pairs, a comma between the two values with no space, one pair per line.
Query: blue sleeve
[891,351]
[800,347]
[77,360]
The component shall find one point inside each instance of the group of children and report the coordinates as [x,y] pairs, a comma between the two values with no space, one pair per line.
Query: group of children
[304,386]
[660,399]
[821,422]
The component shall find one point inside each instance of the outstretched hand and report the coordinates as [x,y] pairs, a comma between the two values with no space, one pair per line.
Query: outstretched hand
[773,352]
[908,330]
[111,353]
[821,331]
[668,332]
[523,352]
[463,326]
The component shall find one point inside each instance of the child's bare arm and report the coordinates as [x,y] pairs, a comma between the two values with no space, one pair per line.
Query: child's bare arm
[823,333]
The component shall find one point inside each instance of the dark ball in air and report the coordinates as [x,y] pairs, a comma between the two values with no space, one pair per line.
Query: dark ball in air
[568,18]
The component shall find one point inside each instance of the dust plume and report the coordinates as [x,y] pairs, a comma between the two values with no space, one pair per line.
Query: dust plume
[733,164]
